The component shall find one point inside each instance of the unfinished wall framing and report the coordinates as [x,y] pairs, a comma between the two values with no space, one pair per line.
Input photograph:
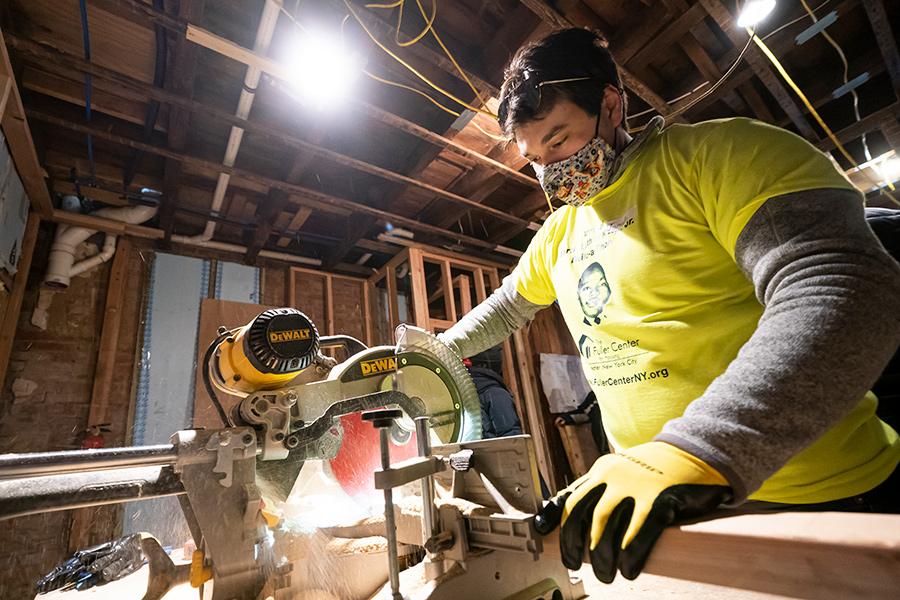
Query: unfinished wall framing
[441,287]
[337,304]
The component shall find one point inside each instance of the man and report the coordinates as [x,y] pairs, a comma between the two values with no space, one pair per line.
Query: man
[498,409]
[593,293]
[750,309]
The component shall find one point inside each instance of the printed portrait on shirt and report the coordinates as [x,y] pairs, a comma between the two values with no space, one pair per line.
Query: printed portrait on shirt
[593,293]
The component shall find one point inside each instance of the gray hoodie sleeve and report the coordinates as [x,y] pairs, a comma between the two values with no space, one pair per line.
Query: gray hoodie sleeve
[826,283]
[491,322]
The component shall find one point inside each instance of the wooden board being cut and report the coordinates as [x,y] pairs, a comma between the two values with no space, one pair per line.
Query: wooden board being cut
[814,555]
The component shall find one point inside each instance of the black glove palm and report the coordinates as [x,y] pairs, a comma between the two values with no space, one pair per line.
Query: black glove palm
[622,505]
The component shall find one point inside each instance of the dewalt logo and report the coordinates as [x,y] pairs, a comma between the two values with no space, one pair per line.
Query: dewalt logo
[379,365]
[289,335]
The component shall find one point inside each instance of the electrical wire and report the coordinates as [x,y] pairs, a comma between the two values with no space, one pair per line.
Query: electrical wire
[787,78]
[88,83]
[449,54]
[429,21]
[846,74]
[793,21]
[706,93]
[672,101]
[429,28]
[207,383]
[412,69]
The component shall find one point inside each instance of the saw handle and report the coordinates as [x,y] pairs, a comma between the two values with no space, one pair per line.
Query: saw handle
[382,418]
[549,517]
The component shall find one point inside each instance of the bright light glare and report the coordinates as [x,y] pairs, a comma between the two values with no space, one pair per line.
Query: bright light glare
[889,169]
[323,69]
[754,12]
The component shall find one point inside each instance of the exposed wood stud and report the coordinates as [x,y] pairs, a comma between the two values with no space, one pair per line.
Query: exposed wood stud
[180,81]
[886,39]
[393,309]
[10,315]
[21,145]
[868,123]
[43,53]
[105,367]
[303,194]
[447,286]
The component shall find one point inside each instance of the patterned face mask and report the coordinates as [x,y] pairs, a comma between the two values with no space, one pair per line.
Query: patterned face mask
[577,179]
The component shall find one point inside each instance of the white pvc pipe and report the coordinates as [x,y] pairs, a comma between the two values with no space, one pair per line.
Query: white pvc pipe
[264,34]
[61,263]
[83,266]
[225,247]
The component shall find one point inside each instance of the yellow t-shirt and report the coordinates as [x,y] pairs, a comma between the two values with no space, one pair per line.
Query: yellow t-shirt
[647,282]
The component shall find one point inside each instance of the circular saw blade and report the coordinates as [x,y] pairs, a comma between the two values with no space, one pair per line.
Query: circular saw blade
[418,343]
[426,369]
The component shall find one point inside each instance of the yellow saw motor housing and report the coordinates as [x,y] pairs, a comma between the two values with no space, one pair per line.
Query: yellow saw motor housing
[268,352]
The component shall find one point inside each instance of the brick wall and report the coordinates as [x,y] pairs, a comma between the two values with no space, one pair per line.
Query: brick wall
[61,361]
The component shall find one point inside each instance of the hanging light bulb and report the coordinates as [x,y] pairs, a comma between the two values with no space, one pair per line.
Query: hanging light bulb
[323,69]
[754,12]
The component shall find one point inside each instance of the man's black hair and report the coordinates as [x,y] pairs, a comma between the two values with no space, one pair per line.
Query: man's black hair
[564,54]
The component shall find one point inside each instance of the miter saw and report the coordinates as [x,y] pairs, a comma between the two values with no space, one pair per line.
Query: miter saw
[297,404]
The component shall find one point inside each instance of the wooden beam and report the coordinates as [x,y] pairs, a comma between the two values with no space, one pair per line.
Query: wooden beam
[640,30]
[868,123]
[49,82]
[479,182]
[886,39]
[439,140]
[227,48]
[533,202]
[177,135]
[463,282]
[809,555]
[21,145]
[10,320]
[303,213]
[368,292]
[419,290]
[752,97]
[106,225]
[673,32]
[393,308]
[531,401]
[383,29]
[707,67]
[447,286]
[329,304]
[304,195]
[45,54]
[179,81]
[781,43]
[760,66]
[357,226]
[105,367]
[267,212]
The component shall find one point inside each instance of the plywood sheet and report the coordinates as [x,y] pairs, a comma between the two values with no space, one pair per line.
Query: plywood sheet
[214,313]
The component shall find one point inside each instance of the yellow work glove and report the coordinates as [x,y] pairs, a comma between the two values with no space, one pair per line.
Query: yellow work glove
[622,505]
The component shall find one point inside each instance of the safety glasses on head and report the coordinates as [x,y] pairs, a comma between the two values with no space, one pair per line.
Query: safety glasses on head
[530,90]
